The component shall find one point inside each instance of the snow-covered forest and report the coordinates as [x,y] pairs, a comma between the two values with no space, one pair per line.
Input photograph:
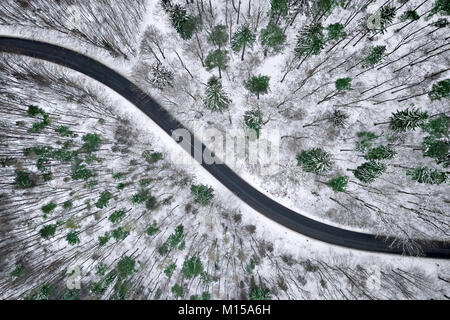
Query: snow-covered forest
[358,90]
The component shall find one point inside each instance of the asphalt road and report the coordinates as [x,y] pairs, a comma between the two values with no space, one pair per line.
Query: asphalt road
[255,199]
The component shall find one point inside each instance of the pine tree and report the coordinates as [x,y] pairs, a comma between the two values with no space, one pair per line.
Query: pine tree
[272,38]
[242,39]
[185,24]
[310,41]
[278,9]
[326,6]
[440,90]
[253,120]
[72,238]
[410,15]
[336,32]
[315,160]
[408,119]
[218,36]
[375,56]
[24,180]
[369,171]
[441,23]
[387,15]
[437,149]
[343,84]
[48,231]
[44,292]
[192,267]
[125,267]
[365,140]
[438,127]
[381,153]
[427,175]
[258,293]
[161,76]
[338,184]
[258,85]
[216,99]
[203,194]
[217,59]
[442,7]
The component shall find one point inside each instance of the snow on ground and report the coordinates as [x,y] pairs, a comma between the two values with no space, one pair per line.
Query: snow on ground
[292,188]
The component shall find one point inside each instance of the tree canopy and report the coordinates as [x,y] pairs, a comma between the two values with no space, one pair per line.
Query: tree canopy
[243,38]
[258,85]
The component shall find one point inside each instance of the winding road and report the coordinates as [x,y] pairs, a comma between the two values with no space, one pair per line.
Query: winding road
[254,198]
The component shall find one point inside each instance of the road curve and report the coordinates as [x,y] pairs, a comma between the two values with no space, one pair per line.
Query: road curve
[255,199]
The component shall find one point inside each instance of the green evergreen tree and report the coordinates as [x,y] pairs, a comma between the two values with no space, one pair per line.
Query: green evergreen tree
[272,38]
[102,202]
[218,36]
[442,7]
[125,267]
[92,142]
[217,59]
[427,175]
[387,16]
[310,41]
[117,216]
[381,153]
[49,208]
[19,271]
[410,15]
[24,180]
[440,90]
[216,99]
[203,194]
[438,127]
[192,267]
[441,23]
[48,231]
[338,184]
[178,291]
[315,160]
[44,292]
[185,24]
[260,293]
[71,295]
[408,119]
[258,85]
[375,56]
[72,238]
[278,9]
[336,32]
[369,171]
[119,234]
[152,229]
[438,149]
[324,7]
[170,270]
[253,120]
[343,84]
[243,38]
